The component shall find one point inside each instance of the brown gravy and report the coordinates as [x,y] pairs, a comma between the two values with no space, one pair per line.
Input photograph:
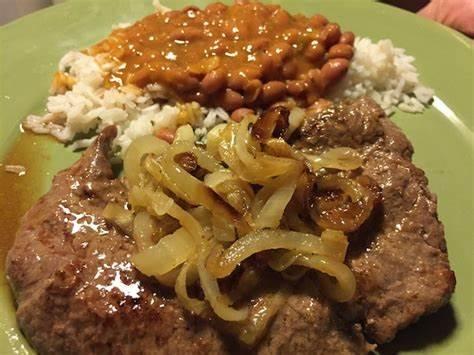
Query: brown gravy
[18,193]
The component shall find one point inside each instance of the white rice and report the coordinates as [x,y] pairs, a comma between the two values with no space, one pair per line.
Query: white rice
[385,73]
[19,170]
[378,70]
[159,7]
[88,106]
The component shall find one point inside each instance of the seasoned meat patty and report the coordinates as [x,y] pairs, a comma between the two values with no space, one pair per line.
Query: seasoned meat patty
[77,292]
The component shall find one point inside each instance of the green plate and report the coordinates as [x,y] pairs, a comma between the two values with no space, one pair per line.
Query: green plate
[442,136]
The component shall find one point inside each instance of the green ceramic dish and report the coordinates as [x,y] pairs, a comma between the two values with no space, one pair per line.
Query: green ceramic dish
[442,136]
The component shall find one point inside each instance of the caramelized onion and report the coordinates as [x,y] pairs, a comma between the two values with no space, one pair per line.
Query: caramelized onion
[342,158]
[295,119]
[214,296]
[143,227]
[120,216]
[281,260]
[336,242]
[158,203]
[270,166]
[222,265]
[245,147]
[270,202]
[270,214]
[261,316]
[214,138]
[279,148]
[344,288]
[237,193]
[188,275]
[187,160]
[340,203]
[185,134]
[248,282]
[294,273]
[222,230]
[139,148]
[242,153]
[170,251]
[293,220]
[205,160]
[170,278]
[187,187]
[221,205]
[273,123]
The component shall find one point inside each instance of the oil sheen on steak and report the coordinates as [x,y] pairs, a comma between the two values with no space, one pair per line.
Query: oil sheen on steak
[77,292]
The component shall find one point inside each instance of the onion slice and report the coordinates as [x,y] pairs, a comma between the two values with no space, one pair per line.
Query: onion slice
[341,291]
[185,134]
[169,279]
[237,193]
[222,264]
[276,195]
[331,209]
[188,275]
[119,215]
[261,315]
[222,230]
[139,148]
[158,203]
[171,251]
[187,187]
[281,260]
[143,227]
[213,295]
[214,138]
[341,158]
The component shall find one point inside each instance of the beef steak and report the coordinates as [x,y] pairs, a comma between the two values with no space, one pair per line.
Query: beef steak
[77,291]
[401,264]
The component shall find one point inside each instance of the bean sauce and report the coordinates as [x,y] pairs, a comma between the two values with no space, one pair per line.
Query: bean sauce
[244,55]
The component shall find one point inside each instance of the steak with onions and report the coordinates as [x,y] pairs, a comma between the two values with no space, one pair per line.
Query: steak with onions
[77,291]
[400,260]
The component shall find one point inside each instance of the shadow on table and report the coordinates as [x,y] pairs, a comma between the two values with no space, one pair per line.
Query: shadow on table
[428,330]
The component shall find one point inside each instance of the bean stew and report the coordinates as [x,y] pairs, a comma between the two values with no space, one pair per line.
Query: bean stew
[247,55]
